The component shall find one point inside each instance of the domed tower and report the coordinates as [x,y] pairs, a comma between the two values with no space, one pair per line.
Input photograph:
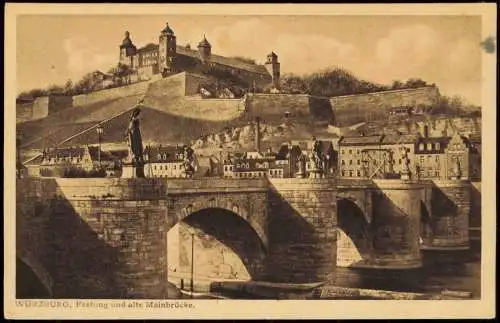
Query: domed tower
[167,50]
[127,50]
[273,67]
[205,49]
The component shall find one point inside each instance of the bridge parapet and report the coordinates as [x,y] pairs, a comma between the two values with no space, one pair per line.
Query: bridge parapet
[212,184]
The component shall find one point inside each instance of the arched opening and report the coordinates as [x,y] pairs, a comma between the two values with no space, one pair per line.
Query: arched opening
[28,284]
[226,247]
[353,242]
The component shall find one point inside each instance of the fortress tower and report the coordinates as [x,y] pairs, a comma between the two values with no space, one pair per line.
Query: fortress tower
[127,51]
[273,67]
[167,50]
[205,49]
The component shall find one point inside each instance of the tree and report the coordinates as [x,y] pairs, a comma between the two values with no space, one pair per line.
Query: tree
[396,84]
[68,87]
[55,90]
[414,83]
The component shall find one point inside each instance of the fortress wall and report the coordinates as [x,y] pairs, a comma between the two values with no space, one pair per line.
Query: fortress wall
[213,109]
[94,247]
[276,105]
[24,112]
[193,82]
[350,109]
[40,108]
[302,230]
[110,94]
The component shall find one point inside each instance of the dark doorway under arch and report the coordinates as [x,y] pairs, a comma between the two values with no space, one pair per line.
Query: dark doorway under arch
[28,285]
[353,242]
[225,246]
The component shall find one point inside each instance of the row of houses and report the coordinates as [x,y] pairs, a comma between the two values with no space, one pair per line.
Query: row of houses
[386,156]
[379,156]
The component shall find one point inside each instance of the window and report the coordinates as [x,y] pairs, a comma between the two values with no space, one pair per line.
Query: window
[343,162]
[350,161]
[421,147]
[350,173]
[350,151]
[438,146]
[429,146]
[358,173]
[437,159]
[343,173]
[359,162]
[436,173]
[422,160]
[358,152]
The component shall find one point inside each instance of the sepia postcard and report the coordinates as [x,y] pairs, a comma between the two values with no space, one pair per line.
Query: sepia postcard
[249,161]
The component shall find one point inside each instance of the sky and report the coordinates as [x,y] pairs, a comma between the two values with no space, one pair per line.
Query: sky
[445,50]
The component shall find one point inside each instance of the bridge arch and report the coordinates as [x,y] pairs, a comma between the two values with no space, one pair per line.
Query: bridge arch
[230,244]
[254,215]
[354,238]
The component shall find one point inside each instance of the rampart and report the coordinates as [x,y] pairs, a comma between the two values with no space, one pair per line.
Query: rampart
[349,109]
[110,94]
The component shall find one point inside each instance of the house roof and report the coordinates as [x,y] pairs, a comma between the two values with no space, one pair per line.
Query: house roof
[360,140]
[35,161]
[231,62]
[402,139]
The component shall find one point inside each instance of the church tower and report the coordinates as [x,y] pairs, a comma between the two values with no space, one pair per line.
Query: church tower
[273,67]
[127,50]
[205,49]
[167,50]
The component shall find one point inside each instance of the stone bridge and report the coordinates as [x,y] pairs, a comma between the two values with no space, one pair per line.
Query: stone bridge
[107,238]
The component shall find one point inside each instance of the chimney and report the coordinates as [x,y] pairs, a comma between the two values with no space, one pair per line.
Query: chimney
[257,134]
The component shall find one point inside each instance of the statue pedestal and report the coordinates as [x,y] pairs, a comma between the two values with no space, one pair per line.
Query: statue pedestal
[299,174]
[316,173]
[405,175]
[132,171]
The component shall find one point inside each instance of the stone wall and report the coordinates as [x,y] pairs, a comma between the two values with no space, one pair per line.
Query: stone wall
[275,105]
[94,247]
[42,107]
[350,109]
[302,230]
[213,109]
[449,223]
[110,94]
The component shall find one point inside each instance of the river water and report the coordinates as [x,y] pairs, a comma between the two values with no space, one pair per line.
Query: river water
[441,270]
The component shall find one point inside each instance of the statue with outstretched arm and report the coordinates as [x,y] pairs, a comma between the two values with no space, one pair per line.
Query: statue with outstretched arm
[134,138]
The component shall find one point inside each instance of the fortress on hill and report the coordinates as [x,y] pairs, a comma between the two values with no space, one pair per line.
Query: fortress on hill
[167,58]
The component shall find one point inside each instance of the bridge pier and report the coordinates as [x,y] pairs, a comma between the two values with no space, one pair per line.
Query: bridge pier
[449,218]
[302,230]
[395,228]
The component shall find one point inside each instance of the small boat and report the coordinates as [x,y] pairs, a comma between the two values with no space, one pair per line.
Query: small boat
[199,295]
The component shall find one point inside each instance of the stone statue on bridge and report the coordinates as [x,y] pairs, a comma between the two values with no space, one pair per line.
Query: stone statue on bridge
[405,167]
[188,155]
[134,138]
[134,164]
